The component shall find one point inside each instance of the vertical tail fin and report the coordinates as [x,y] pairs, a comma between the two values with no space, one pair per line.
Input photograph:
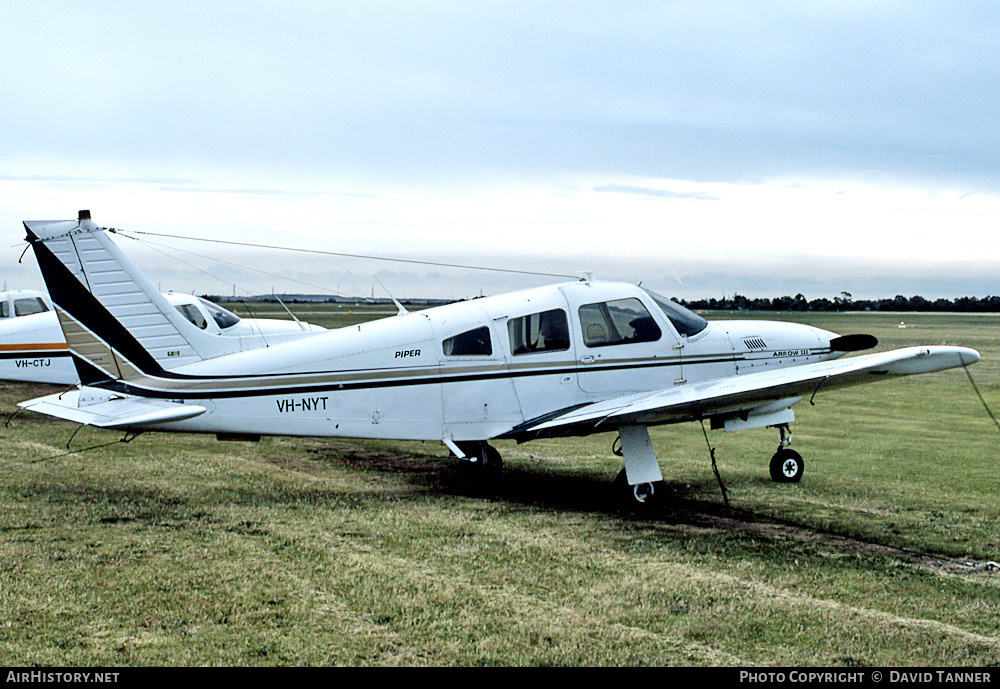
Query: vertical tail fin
[117,324]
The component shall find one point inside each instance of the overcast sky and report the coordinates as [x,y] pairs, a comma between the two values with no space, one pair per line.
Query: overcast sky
[703,147]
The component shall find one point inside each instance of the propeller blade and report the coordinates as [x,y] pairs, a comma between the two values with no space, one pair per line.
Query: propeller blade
[853,343]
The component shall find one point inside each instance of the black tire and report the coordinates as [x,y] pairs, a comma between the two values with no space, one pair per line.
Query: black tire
[492,461]
[639,496]
[481,459]
[787,466]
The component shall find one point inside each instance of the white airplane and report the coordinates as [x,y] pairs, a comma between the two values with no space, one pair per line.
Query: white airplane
[568,359]
[33,348]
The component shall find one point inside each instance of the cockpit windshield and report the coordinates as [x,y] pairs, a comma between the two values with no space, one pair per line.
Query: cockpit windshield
[686,322]
[225,319]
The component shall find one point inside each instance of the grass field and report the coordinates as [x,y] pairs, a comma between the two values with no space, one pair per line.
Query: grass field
[181,550]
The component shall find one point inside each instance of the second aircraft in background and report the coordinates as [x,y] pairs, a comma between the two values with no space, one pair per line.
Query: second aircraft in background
[33,348]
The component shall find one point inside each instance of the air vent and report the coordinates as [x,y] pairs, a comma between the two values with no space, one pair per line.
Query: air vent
[755,343]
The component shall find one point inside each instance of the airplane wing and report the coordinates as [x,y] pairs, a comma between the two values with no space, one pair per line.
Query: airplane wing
[111,411]
[762,394]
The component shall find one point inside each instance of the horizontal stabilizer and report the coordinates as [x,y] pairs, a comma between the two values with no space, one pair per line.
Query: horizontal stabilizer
[115,412]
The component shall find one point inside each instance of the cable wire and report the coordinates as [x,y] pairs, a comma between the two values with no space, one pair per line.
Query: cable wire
[980,395]
[435,264]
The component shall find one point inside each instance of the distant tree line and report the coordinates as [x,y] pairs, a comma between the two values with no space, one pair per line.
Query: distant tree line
[846,303]
[737,302]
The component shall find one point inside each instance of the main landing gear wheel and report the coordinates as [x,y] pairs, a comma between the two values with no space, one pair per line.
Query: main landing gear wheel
[786,466]
[641,495]
[481,459]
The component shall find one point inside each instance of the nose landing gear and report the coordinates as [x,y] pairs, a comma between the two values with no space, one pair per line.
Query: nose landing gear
[786,464]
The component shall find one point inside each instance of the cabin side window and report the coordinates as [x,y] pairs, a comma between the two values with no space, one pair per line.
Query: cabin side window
[540,332]
[26,307]
[4,310]
[616,322]
[472,343]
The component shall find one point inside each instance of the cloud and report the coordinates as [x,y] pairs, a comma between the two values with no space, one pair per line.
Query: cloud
[657,193]
[720,90]
[548,128]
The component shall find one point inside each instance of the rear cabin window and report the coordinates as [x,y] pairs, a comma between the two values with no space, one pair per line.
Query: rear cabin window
[472,343]
[617,322]
[4,310]
[26,307]
[540,332]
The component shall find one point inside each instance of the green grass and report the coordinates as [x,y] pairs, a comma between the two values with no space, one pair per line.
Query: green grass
[181,550]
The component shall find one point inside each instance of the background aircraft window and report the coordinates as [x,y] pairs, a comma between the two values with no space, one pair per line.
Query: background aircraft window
[687,322]
[4,309]
[617,322]
[540,332]
[223,318]
[191,312]
[473,343]
[26,307]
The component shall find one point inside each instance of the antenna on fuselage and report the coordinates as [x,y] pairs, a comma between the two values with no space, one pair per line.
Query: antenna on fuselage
[402,309]
[301,326]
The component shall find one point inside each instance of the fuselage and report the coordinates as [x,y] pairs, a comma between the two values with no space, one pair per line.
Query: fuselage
[477,369]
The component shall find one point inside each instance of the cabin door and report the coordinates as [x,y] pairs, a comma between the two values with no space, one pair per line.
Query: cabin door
[625,350]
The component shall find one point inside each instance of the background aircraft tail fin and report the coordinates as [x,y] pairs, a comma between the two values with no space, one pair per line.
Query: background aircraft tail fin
[117,323]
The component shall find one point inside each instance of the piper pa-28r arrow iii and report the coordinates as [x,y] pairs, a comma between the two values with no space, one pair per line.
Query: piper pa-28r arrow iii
[567,359]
